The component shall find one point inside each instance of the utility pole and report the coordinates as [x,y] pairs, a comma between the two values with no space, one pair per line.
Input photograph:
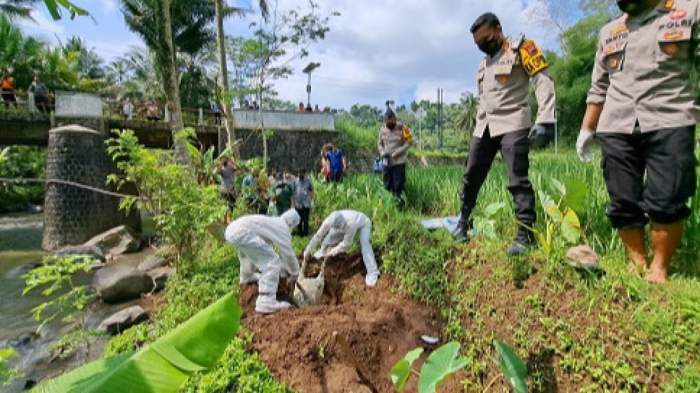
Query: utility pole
[308,70]
[440,99]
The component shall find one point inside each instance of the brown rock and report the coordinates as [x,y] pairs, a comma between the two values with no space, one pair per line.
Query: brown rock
[582,257]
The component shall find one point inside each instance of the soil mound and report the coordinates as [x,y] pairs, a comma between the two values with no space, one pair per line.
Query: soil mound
[349,343]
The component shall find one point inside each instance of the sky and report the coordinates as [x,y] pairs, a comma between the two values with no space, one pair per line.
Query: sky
[376,50]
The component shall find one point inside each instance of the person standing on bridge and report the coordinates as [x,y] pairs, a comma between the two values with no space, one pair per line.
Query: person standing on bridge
[642,109]
[128,109]
[41,94]
[8,88]
[503,123]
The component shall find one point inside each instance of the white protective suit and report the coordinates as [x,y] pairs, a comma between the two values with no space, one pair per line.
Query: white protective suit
[256,238]
[338,232]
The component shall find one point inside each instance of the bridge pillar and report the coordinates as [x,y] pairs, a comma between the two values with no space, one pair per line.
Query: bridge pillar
[77,153]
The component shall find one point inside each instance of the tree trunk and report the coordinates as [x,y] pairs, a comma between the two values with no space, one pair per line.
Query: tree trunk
[223,79]
[262,122]
[171,81]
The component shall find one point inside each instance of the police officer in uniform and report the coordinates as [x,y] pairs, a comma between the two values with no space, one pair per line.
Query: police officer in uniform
[503,122]
[642,110]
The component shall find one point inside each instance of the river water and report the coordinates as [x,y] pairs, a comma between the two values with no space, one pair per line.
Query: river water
[20,249]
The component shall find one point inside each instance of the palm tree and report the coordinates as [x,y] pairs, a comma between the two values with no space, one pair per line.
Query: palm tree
[221,11]
[169,26]
[23,8]
[469,105]
[17,9]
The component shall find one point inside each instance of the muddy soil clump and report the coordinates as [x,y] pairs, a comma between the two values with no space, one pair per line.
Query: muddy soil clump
[347,344]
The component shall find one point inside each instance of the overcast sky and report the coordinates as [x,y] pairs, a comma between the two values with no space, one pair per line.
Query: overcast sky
[376,50]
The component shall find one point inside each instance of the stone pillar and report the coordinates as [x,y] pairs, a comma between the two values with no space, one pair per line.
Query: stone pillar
[77,153]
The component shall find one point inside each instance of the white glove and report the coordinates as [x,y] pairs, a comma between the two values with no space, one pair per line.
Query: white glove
[584,144]
[332,252]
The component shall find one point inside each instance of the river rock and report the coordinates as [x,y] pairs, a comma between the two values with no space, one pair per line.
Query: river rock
[23,340]
[152,262]
[123,319]
[21,270]
[91,251]
[160,276]
[121,283]
[116,241]
[582,257]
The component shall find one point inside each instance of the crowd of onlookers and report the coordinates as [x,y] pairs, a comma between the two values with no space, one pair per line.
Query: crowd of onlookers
[279,191]
[307,109]
[38,92]
[149,108]
[268,195]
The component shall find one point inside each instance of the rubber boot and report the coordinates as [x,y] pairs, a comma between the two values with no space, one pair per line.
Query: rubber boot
[522,243]
[461,233]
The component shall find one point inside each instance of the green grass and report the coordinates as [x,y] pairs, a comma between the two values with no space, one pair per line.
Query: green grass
[609,333]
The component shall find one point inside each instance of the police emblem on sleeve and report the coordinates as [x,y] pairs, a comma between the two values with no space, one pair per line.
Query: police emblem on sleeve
[532,58]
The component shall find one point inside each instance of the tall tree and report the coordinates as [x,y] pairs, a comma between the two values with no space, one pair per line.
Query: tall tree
[168,27]
[168,69]
[277,44]
[226,97]
[21,9]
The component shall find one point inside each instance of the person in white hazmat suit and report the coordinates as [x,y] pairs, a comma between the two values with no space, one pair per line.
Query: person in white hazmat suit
[338,232]
[256,237]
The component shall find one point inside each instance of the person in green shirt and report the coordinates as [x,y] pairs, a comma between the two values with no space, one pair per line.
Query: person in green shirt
[281,195]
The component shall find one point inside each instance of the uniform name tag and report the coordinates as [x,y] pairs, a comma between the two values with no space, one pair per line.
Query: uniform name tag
[532,58]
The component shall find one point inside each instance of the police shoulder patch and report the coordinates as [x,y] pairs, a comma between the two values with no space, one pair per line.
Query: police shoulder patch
[532,58]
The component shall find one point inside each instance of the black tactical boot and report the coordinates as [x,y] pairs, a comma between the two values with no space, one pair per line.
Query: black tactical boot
[522,243]
[461,233]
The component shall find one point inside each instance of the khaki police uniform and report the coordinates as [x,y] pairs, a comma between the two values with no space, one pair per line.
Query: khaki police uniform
[642,77]
[504,121]
[393,146]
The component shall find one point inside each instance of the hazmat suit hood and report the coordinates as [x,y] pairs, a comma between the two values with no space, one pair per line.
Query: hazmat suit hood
[292,218]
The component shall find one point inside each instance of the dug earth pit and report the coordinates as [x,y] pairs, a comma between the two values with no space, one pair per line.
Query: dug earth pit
[348,343]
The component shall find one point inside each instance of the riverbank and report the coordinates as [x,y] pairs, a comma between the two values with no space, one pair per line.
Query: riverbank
[35,359]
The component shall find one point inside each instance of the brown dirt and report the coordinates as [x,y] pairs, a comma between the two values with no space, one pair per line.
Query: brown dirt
[349,343]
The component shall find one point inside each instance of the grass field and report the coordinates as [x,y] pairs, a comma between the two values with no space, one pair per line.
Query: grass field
[577,331]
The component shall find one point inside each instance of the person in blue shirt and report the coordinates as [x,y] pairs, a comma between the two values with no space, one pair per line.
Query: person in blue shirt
[337,164]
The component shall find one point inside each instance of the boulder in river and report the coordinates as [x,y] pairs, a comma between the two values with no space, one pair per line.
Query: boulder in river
[123,319]
[116,241]
[121,283]
[152,262]
[91,251]
[160,276]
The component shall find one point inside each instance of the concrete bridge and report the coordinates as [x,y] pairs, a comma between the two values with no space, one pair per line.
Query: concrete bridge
[75,134]
[24,125]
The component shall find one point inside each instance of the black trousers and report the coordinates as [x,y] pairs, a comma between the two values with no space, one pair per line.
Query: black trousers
[649,176]
[304,213]
[514,148]
[336,177]
[395,179]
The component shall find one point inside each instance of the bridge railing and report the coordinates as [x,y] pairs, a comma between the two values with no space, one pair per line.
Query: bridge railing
[192,117]
[24,104]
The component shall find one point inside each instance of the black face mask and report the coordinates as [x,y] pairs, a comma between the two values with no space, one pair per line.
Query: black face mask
[490,47]
[631,7]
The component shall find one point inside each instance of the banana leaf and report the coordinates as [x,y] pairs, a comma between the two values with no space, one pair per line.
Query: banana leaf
[162,366]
